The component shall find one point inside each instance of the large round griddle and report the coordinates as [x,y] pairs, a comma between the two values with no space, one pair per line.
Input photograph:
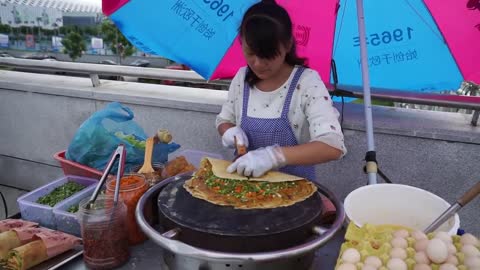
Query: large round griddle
[180,207]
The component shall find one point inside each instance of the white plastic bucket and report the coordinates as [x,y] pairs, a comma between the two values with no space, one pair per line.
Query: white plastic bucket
[397,204]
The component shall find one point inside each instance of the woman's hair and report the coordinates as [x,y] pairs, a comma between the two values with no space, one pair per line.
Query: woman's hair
[265,26]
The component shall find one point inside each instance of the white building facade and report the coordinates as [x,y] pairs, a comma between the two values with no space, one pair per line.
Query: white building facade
[47,14]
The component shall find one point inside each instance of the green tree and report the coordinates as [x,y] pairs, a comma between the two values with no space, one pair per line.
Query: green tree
[25,30]
[48,32]
[79,29]
[74,45]
[64,30]
[92,30]
[5,28]
[116,40]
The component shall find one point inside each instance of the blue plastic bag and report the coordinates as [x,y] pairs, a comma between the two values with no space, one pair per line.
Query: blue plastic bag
[100,135]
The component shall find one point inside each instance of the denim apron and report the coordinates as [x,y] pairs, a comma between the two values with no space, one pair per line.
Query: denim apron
[263,132]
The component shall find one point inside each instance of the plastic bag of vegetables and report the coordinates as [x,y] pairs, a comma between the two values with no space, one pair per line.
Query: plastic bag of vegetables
[97,138]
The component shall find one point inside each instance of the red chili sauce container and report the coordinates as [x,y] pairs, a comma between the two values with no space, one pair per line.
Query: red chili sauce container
[104,233]
[132,187]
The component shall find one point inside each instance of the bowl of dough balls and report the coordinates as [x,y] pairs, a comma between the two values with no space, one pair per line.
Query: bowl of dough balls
[397,204]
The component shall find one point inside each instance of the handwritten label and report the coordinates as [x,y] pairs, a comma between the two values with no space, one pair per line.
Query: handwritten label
[392,58]
[196,22]
[386,37]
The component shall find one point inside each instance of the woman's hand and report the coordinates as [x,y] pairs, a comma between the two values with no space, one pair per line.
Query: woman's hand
[256,163]
[228,138]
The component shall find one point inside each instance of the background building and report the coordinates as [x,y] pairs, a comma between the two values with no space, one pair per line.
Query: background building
[48,14]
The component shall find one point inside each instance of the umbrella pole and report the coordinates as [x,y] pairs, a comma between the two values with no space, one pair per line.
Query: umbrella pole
[371,167]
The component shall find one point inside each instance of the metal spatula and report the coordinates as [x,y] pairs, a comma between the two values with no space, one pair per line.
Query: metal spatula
[461,202]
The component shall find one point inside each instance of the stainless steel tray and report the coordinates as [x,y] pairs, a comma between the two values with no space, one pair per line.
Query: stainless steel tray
[60,260]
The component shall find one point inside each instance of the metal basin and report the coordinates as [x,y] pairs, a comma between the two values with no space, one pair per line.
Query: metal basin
[179,255]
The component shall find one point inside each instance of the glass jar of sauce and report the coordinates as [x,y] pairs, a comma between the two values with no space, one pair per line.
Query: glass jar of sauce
[152,178]
[104,232]
[132,187]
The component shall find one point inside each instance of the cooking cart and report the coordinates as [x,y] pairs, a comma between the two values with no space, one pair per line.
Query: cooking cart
[292,237]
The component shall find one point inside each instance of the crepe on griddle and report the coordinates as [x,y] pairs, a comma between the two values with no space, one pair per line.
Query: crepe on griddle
[212,183]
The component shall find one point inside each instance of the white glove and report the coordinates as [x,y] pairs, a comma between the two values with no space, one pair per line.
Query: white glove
[256,163]
[228,138]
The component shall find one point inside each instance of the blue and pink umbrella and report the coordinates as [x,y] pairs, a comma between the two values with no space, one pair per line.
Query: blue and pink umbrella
[416,45]
[413,45]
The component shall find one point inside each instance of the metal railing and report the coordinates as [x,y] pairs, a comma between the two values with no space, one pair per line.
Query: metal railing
[111,70]
[448,101]
[94,70]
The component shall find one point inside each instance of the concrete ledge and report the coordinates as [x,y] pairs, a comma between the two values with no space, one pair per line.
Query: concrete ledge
[388,120]
[414,123]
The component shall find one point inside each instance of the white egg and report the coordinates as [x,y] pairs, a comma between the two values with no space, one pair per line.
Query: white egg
[396,264]
[399,242]
[447,266]
[346,266]
[452,259]
[373,261]
[421,258]
[351,255]
[369,267]
[419,235]
[437,251]
[401,233]
[469,239]
[422,266]
[470,251]
[443,236]
[472,262]
[421,245]
[452,249]
[398,253]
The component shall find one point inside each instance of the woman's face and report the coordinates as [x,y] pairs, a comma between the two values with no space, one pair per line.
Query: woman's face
[262,67]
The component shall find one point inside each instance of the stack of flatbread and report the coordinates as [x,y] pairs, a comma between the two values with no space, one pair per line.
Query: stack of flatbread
[22,245]
[212,183]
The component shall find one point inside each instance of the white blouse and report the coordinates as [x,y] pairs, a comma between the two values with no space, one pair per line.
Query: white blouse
[311,114]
